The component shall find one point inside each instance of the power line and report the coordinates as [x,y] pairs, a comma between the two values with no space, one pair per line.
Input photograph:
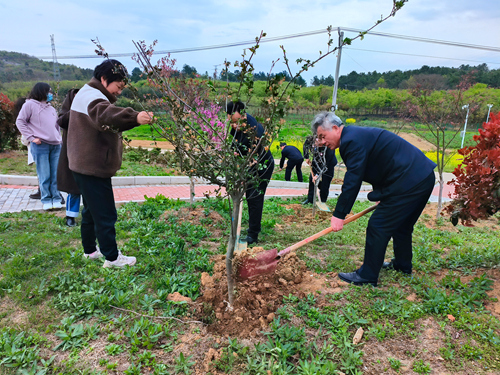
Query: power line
[415,55]
[291,36]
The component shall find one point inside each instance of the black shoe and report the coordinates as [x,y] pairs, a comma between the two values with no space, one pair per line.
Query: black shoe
[307,201]
[37,195]
[62,200]
[249,240]
[393,266]
[70,221]
[354,278]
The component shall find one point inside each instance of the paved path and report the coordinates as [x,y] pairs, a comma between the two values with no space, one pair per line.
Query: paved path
[15,198]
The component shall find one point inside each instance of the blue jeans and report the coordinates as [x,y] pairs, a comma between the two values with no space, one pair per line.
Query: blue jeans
[46,158]
[72,205]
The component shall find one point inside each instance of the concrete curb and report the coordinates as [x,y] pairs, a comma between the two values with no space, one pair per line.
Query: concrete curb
[6,179]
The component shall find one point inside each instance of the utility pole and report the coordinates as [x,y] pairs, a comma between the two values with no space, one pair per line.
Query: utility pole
[489,109]
[337,69]
[465,126]
[57,74]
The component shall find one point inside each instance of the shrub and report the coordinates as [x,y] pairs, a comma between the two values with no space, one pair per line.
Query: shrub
[477,179]
[8,129]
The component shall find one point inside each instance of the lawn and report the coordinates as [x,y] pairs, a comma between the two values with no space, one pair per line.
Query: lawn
[62,314]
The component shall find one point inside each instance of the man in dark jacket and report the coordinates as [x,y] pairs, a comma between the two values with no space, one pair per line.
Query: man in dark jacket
[95,154]
[243,141]
[322,161]
[295,160]
[402,178]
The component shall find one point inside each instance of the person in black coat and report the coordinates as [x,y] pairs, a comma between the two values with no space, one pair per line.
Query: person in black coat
[322,161]
[295,160]
[402,178]
[243,141]
[65,180]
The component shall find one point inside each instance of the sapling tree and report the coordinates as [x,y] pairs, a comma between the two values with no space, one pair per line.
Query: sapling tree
[477,179]
[442,117]
[193,119]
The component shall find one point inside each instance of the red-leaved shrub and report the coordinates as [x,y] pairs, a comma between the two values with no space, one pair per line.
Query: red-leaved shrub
[477,179]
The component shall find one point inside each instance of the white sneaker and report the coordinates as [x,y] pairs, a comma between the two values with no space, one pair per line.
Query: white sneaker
[57,205]
[47,206]
[95,255]
[121,261]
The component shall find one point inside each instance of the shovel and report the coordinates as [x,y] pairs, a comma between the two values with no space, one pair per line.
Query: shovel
[239,245]
[266,262]
[316,198]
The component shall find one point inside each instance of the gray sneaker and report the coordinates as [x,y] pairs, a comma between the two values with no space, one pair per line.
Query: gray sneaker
[120,262]
[95,255]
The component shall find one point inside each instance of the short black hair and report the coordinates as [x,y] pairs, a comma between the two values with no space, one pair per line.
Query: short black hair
[39,91]
[282,144]
[111,70]
[233,107]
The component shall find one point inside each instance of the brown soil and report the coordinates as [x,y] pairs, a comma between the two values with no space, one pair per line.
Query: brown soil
[151,144]
[258,299]
[428,217]
[418,142]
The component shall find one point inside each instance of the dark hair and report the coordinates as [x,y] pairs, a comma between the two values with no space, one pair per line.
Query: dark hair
[235,107]
[39,91]
[111,71]
[18,105]
[282,144]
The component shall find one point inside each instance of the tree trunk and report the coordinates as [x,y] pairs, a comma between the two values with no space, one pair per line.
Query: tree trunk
[236,199]
[440,196]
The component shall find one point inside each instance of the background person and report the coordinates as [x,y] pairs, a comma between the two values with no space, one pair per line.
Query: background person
[295,160]
[244,140]
[322,161]
[17,108]
[402,178]
[37,123]
[95,154]
[65,180]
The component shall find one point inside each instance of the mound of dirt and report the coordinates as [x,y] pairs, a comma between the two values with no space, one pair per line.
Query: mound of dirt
[256,299]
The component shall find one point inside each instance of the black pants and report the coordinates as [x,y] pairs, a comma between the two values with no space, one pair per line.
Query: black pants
[255,201]
[98,215]
[323,187]
[297,164]
[394,218]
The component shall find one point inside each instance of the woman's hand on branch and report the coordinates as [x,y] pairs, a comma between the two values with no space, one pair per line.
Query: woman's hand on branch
[144,117]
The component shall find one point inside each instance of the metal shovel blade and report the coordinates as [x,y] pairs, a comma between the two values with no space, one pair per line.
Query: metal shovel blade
[260,264]
[322,206]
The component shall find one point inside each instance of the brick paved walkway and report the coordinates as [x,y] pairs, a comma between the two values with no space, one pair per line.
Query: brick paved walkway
[15,198]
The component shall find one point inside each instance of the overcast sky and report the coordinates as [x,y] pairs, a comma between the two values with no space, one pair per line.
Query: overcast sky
[26,26]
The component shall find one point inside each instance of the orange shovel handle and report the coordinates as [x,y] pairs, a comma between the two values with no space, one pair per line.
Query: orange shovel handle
[325,231]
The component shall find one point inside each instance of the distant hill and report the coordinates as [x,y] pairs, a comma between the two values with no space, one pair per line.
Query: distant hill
[21,67]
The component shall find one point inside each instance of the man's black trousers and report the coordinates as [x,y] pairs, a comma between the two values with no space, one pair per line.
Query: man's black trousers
[297,164]
[98,215]
[255,201]
[323,187]
[394,218]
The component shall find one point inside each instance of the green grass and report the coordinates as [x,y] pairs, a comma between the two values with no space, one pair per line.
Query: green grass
[66,300]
